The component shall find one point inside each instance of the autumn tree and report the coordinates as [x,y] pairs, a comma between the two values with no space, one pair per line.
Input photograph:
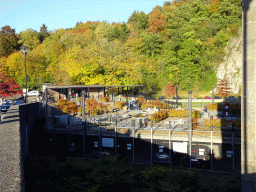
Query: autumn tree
[8,41]
[170,90]
[156,20]
[223,88]
[29,38]
[8,87]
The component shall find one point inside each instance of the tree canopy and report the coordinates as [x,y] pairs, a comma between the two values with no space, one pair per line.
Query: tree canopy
[181,42]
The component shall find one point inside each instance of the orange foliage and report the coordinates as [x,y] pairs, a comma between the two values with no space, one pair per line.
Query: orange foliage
[156,20]
[214,6]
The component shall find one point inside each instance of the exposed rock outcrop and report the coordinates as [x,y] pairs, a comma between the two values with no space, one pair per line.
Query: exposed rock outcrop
[231,68]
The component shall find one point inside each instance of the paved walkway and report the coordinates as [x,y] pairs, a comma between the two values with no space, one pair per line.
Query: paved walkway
[10,167]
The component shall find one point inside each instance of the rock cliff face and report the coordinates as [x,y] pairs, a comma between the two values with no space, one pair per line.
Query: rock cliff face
[231,68]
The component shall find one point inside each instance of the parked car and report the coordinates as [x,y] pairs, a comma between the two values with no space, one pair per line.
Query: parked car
[161,98]
[178,98]
[32,93]
[18,102]
[232,98]
[6,105]
[195,162]
[207,97]
[217,97]
[97,154]
[161,158]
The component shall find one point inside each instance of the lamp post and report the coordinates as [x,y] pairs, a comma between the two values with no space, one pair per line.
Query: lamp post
[25,50]
[212,94]
[38,78]
[176,96]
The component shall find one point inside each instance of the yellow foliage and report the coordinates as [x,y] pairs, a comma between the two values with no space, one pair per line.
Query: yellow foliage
[15,66]
[3,67]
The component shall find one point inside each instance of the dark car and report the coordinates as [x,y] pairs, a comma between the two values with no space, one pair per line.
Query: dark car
[232,98]
[18,102]
[161,158]
[4,108]
[97,154]
[195,162]
[177,97]
[161,98]
[217,97]
[6,105]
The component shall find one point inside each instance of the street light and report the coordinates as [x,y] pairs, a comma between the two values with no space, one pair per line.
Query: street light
[25,50]
[212,94]
[38,78]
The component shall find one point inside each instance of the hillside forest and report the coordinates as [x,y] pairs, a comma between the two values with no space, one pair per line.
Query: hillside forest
[181,42]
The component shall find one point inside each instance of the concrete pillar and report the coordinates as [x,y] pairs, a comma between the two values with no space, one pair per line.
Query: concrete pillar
[248,111]
[69,94]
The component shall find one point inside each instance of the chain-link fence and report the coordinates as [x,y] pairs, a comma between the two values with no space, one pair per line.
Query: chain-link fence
[141,141]
[214,150]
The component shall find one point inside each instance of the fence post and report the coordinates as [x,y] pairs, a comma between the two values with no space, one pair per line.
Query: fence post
[151,145]
[211,117]
[190,124]
[170,153]
[115,139]
[100,139]
[68,138]
[83,139]
[233,143]
[133,135]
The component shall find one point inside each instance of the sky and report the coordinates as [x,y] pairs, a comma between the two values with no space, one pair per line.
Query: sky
[23,14]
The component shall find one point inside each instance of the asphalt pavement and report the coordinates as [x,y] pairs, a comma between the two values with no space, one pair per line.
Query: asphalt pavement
[10,150]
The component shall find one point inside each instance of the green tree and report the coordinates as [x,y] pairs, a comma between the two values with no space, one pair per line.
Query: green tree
[29,38]
[8,41]
[114,34]
[43,33]
[153,44]
[124,33]
[139,20]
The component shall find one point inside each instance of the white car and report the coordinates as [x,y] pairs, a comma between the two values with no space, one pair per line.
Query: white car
[32,93]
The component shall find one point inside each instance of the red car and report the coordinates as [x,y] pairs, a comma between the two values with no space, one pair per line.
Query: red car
[207,97]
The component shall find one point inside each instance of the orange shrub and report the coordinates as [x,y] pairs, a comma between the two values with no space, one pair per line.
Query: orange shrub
[158,116]
[105,99]
[67,106]
[142,100]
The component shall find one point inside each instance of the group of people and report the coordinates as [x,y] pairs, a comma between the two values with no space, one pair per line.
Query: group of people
[134,104]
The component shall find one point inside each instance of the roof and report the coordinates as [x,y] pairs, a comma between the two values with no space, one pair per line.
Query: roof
[86,86]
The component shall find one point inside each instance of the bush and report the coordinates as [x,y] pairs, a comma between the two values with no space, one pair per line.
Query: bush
[120,104]
[95,108]
[67,106]
[154,103]
[160,115]
[105,99]
[142,100]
